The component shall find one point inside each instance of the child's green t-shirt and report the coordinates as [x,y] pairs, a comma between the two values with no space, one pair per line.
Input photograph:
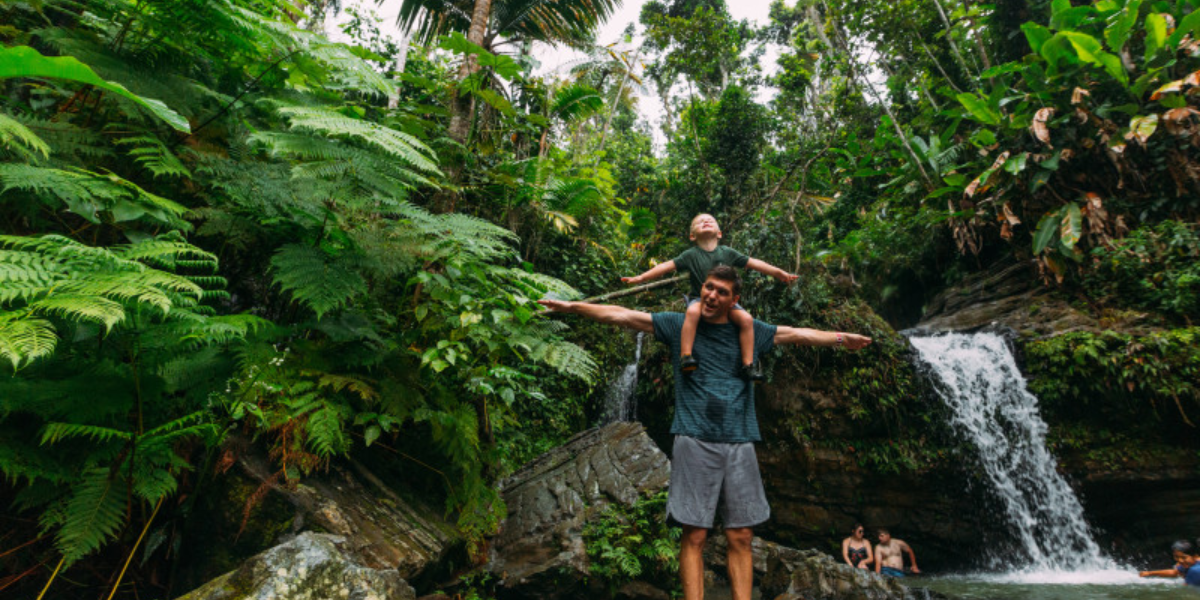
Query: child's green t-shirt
[697,263]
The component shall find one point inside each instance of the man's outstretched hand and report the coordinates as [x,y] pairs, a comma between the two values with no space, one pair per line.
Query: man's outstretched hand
[561,306]
[787,278]
[854,341]
[631,280]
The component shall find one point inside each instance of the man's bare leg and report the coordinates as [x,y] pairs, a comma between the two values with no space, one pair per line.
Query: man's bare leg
[691,562]
[741,561]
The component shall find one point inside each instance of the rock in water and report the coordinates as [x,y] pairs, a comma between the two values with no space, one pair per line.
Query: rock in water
[312,566]
[540,549]
[785,573]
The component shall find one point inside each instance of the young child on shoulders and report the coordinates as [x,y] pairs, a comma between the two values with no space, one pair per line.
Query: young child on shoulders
[697,261]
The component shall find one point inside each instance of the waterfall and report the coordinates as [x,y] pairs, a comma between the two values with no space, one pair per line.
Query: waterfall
[619,403]
[978,379]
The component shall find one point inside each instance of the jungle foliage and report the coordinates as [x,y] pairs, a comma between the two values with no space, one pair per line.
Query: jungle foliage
[215,219]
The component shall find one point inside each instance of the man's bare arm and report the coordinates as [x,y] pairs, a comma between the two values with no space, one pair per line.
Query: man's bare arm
[912,558]
[603,313]
[800,336]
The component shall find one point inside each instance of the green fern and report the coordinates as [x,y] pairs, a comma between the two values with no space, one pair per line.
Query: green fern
[314,279]
[155,156]
[17,138]
[87,194]
[94,514]
[24,339]
[396,143]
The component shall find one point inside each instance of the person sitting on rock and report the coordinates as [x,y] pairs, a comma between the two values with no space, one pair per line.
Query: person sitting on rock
[889,559]
[1187,564]
[856,550]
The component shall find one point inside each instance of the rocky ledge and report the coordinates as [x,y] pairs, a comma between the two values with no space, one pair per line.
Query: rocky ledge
[540,551]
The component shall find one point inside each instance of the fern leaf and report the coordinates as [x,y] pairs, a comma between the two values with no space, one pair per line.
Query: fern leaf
[86,193]
[53,433]
[81,308]
[325,433]
[92,515]
[18,138]
[396,143]
[24,339]
[567,358]
[314,279]
[155,156]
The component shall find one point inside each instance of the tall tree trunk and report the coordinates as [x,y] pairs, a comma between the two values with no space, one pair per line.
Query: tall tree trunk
[616,100]
[464,104]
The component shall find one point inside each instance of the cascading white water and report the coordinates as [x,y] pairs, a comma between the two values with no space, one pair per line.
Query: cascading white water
[979,380]
[619,403]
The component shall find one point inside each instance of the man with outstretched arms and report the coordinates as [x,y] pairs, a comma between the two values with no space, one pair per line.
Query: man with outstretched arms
[715,425]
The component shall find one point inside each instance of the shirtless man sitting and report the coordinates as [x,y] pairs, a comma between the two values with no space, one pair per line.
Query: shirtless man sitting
[888,558]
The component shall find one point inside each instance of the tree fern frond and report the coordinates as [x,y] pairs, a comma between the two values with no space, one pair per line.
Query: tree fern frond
[568,358]
[81,308]
[18,138]
[396,143]
[154,156]
[325,432]
[86,193]
[24,339]
[362,387]
[92,515]
[54,433]
[166,252]
[314,278]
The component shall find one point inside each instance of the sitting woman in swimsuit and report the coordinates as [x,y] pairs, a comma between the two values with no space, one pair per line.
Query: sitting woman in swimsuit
[856,550]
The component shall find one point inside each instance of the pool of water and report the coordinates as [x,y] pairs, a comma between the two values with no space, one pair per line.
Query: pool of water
[1099,585]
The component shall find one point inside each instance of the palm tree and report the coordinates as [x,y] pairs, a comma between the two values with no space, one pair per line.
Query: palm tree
[491,23]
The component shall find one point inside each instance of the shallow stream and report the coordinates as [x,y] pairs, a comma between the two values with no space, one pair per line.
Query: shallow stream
[1099,585]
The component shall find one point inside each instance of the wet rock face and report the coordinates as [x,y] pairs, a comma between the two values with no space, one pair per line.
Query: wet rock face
[540,552]
[312,566]
[1009,295]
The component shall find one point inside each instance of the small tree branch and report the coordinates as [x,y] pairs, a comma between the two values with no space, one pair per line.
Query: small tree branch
[635,289]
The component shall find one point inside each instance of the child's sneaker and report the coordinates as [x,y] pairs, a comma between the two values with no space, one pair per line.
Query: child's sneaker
[751,372]
[688,363]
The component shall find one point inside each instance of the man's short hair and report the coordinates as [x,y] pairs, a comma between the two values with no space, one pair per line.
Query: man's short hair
[1182,546]
[882,531]
[729,275]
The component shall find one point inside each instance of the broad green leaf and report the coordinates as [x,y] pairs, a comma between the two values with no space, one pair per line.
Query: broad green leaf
[23,61]
[1071,226]
[1047,227]
[459,44]
[1071,18]
[1090,51]
[1143,127]
[371,434]
[979,108]
[983,137]
[1121,24]
[504,66]
[1187,25]
[1156,34]
[1036,35]
[1016,164]
[1056,49]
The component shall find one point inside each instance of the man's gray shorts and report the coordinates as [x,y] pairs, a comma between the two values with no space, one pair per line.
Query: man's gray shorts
[703,472]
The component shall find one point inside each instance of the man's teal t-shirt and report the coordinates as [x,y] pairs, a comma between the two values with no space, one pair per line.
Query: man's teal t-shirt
[712,403]
[697,263]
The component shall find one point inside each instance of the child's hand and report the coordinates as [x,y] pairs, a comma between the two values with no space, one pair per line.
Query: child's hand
[787,277]
[631,280]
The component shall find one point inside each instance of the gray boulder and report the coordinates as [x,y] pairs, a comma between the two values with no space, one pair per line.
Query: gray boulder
[540,552]
[312,566]
[785,573]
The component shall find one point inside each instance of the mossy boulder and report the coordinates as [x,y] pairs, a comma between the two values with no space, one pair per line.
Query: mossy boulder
[311,566]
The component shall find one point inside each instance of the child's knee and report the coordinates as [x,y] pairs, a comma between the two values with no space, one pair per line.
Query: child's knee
[741,318]
[693,309]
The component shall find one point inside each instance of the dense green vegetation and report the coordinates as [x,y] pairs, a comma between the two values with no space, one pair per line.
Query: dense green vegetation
[214,219]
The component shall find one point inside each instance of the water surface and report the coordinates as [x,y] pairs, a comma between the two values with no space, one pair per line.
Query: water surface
[1101,585]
